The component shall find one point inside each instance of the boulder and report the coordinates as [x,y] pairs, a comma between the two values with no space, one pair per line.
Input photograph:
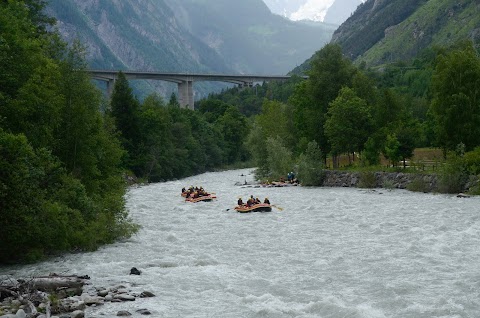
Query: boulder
[134,271]
[77,314]
[146,294]
[124,297]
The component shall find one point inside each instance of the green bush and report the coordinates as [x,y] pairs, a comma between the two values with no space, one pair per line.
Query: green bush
[418,185]
[367,179]
[475,185]
[279,160]
[453,176]
[472,161]
[388,184]
[310,170]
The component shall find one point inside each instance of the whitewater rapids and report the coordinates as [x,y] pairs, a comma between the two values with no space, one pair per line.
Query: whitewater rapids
[331,252]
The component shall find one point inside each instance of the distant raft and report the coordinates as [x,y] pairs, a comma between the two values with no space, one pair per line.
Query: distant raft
[205,198]
[260,207]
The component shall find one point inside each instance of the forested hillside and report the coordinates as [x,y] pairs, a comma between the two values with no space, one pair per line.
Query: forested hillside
[386,31]
[61,185]
[67,154]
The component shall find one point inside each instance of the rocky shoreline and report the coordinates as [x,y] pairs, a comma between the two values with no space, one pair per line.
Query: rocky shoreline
[57,296]
[397,180]
[390,180]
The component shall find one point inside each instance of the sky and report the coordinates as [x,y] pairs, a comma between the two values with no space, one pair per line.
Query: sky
[300,9]
[312,10]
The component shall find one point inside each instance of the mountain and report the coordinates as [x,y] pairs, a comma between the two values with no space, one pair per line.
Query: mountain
[248,36]
[385,31]
[296,10]
[210,36]
[340,11]
[382,31]
[329,11]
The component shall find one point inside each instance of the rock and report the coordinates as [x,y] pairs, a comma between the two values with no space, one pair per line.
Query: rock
[134,271]
[21,314]
[122,291]
[77,314]
[92,300]
[108,298]
[123,313]
[463,195]
[146,294]
[71,304]
[103,293]
[124,297]
[8,316]
[69,292]
[16,303]
[114,289]
[144,312]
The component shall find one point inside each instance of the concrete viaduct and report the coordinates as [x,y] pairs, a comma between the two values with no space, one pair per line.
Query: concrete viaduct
[183,80]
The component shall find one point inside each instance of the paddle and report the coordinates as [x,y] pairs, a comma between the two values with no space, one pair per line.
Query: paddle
[276,206]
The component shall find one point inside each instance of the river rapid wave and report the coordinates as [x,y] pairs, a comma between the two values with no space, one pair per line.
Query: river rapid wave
[331,252]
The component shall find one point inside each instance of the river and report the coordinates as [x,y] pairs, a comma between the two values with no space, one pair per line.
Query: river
[325,252]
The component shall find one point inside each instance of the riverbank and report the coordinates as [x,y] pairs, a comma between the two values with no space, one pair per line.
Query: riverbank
[57,296]
[390,180]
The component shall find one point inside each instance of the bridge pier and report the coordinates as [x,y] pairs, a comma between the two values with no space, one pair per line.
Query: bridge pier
[245,85]
[185,94]
[110,86]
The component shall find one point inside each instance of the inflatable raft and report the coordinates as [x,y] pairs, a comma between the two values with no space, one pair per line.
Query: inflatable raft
[205,198]
[261,207]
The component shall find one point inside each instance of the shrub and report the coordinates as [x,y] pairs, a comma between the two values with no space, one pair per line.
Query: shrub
[474,184]
[388,184]
[279,159]
[367,179]
[453,177]
[310,166]
[472,161]
[418,185]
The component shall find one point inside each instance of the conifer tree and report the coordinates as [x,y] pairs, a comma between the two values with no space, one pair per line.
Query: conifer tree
[125,111]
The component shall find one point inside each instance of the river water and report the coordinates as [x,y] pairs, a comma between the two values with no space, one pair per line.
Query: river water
[325,252]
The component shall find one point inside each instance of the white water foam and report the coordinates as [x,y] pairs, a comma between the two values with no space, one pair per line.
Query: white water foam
[331,252]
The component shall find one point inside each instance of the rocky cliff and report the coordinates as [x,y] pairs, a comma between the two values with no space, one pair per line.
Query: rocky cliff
[382,31]
[212,36]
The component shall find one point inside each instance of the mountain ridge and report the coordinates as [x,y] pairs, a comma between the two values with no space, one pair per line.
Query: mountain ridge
[382,31]
[221,36]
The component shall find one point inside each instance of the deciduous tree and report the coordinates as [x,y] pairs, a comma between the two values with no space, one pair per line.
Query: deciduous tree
[456,102]
[348,123]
